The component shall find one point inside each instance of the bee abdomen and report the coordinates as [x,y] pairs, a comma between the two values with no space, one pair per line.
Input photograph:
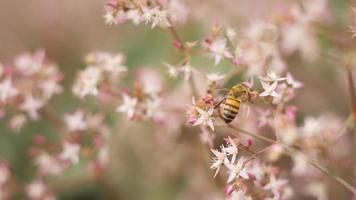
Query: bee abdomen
[230,108]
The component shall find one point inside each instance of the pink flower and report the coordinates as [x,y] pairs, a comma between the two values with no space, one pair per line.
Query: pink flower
[237,170]
[219,50]
[75,121]
[70,152]
[7,90]
[32,106]
[269,89]
[205,118]
[128,106]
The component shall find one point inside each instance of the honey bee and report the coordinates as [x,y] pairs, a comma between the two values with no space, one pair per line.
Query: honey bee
[230,105]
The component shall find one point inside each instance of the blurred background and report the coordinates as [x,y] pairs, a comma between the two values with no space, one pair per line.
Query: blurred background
[143,167]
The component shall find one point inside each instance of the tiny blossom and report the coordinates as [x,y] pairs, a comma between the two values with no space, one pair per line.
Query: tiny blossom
[17,122]
[51,87]
[271,77]
[32,105]
[70,152]
[269,90]
[205,118]
[187,71]
[171,70]
[75,121]
[156,17]
[215,77]
[237,170]
[153,108]
[47,164]
[300,164]
[110,18]
[256,170]
[275,185]
[219,159]
[317,190]
[128,106]
[4,173]
[292,82]
[219,50]
[311,127]
[178,11]
[36,190]
[87,82]
[7,90]
[231,34]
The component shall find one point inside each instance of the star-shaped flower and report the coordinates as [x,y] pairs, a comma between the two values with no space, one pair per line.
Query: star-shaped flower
[219,159]
[269,89]
[70,152]
[271,77]
[128,106]
[75,121]
[237,170]
[219,50]
[7,90]
[275,185]
[205,118]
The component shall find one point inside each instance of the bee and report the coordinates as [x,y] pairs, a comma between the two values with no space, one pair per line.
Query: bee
[230,105]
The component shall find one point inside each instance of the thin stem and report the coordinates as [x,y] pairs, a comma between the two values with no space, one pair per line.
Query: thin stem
[352,95]
[293,151]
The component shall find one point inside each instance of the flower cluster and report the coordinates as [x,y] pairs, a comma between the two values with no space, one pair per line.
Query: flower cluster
[156,13]
[103,70]
[248,177]
[26,86]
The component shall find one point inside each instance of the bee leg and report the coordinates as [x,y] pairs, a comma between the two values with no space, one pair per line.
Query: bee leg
[220,102]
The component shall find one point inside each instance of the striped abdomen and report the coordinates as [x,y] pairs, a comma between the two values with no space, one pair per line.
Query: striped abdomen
[229,109]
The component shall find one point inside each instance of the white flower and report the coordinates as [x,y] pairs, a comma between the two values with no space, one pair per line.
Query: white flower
[317,190]
[219,159]
[128,105]
[156,17]
[4,173]
[215,77]
[110,18]
[50,87]
[48,165]
[237,170]
[188,71]
[134,16]
[205,118]
[271,77]
[172,70]
[231,34]
[312,126]
[36,189]
[153,108]
[7,90]
[17,122]
[218,50]
[70,152]
[292,82]
[31,106]
[75,121]
[300,164]
[269,89]
[275,185]
[87,82]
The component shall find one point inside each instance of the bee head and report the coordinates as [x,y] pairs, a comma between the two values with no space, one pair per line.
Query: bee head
[240,91]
